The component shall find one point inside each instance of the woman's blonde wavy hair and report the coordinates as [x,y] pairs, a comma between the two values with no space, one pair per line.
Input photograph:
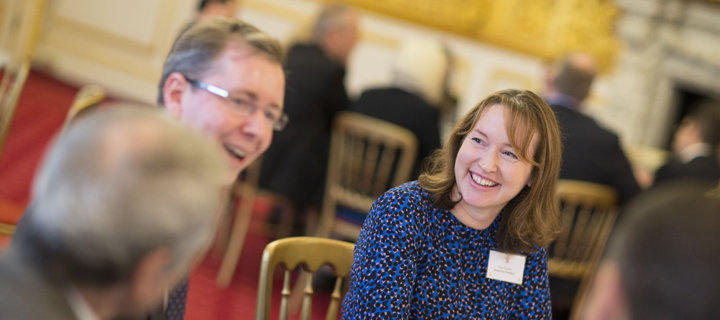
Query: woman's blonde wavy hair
[532,218]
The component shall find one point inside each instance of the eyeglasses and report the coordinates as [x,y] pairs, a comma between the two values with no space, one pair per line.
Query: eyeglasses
[273,116]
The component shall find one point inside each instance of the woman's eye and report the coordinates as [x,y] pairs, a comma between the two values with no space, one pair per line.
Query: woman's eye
[510,154]
[478,140]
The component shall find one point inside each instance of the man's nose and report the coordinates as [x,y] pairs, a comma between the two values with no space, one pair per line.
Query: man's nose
[254,124]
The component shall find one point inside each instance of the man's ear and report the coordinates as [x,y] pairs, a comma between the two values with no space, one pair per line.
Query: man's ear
[607,298]
[151,279]
[175,86]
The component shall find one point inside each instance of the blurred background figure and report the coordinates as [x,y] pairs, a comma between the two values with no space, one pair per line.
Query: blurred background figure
[415,96]
[217,8]
[663,260]
[590,152]
[695,148]
[294,166]
[122,206]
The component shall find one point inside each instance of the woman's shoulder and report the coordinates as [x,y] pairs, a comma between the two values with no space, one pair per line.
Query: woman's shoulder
[408,193]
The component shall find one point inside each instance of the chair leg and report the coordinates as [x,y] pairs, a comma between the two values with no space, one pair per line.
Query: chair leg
[222,239]
[237,239]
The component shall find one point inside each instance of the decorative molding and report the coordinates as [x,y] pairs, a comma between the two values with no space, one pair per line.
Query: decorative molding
[544,28]
[100,36]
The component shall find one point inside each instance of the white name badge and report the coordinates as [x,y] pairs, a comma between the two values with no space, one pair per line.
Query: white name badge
[506,267]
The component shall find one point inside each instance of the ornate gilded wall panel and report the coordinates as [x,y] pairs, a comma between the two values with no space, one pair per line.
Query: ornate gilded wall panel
[544,28]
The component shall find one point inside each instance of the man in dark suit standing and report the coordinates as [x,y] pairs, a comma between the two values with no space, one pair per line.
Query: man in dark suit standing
[294,166]
[124,203]
[590,153]
[695,147]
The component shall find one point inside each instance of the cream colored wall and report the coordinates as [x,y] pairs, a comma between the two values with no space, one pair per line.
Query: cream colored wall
[482,69]
[120,45]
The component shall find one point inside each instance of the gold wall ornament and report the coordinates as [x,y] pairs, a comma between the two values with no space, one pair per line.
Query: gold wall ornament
[544,28]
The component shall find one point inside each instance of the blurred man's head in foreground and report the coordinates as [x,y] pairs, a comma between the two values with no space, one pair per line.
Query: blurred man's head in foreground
[224,78]
[125,201]
[663,261]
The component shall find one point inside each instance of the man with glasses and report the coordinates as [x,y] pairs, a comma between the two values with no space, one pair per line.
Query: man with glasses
[224,78]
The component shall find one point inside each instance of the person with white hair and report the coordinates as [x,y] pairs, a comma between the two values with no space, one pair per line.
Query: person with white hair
[124,203]
[413,100]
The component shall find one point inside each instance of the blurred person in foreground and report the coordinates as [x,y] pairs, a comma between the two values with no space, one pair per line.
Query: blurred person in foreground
[695,148]
[590,153]
[467,240]
[663,261]
[224,78]
[125,201]
[295,164]
[413,101]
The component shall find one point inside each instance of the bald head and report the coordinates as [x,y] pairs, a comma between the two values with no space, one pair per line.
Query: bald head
[574,75]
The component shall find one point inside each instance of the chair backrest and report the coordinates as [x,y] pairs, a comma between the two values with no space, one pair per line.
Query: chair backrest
[589,211]
[367,157]
[87,97]
[19,32]
[311,253]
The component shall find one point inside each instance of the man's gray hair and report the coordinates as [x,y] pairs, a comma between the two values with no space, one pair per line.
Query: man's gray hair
[198,47]
[116,186]
[331,17]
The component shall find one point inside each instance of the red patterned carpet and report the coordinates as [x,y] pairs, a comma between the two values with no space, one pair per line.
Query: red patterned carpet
[39,116]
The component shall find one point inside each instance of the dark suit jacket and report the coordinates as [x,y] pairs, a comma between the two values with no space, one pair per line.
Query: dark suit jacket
[408,111]
[296,161]
[700,169]
[26,295]
[593,154]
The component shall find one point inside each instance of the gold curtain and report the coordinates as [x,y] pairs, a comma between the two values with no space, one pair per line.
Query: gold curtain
[544,28]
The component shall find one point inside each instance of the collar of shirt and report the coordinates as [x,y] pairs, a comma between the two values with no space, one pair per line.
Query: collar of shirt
[693,151]
[563,100]
[79,306]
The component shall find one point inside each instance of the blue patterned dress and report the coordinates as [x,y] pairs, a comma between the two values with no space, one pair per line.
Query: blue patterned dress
[416,261]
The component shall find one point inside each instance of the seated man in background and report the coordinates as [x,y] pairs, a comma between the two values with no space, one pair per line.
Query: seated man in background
[124,203]
[590,152]
[695,148]
[413,101]
[663,261]
[295,164]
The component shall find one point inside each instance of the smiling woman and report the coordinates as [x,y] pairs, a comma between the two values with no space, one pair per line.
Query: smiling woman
[467,239]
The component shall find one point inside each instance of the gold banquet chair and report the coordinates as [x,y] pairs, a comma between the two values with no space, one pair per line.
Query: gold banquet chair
[310,253]
[19,32]
[367,157]
[588,211]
